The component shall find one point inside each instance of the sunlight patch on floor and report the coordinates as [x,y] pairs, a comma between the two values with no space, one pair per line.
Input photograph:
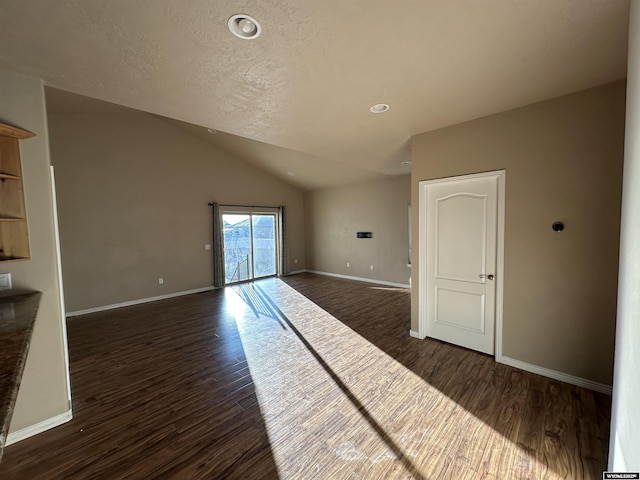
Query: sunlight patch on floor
[336,405]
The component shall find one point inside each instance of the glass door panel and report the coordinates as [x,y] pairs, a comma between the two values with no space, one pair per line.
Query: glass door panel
[237,247]
[264,245]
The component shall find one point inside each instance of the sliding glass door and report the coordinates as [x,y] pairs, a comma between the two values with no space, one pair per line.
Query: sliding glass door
[249,246]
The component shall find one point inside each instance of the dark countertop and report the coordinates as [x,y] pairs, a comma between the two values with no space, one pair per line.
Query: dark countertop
[18,309]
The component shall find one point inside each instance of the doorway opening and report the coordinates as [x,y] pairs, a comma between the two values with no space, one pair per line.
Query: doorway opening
[250,246]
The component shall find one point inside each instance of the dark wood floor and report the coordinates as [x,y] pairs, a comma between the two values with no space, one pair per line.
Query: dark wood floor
[306,378]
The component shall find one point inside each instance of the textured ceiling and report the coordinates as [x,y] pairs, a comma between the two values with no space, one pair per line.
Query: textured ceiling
[302,90]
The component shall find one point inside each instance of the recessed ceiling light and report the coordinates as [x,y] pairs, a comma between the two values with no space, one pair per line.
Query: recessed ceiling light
[212,131]
[291,174]
[406,162]
[244,26]
[379,108]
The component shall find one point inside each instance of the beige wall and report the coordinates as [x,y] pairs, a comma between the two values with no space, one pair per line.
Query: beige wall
[43,392]
[333,216]
[563,161]
[624,453]
[132,197]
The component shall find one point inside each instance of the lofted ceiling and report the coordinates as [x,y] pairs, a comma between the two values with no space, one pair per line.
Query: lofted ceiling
[297,98]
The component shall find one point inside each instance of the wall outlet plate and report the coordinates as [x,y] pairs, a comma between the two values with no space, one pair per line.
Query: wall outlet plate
[5,281]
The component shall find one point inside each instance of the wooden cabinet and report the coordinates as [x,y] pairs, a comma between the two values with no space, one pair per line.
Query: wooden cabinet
[14,238]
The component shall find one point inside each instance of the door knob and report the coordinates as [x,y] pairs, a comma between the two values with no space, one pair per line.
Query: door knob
[490,276]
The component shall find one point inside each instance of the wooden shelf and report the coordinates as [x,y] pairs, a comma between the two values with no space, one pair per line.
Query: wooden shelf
[14,240]
[14,237]
[5,176]
[12,199]
[13,259]
[15,132]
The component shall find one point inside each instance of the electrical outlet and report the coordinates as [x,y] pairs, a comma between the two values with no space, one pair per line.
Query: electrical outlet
[295,261]
[348,264]
[207,246]
[371,267]
[5,281]
[161,281]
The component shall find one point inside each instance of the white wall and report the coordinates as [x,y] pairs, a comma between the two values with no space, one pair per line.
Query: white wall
[44,392]
[624,453]
[563,159]
[334,215]
[132,201]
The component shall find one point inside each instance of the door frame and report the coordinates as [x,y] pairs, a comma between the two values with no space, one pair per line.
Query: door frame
[423,187]
[239,210]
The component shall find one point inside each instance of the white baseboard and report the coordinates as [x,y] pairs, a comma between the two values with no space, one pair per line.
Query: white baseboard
[563,377]
[361,279]
[415,334]
[18,435]
[295,272]
[137,302]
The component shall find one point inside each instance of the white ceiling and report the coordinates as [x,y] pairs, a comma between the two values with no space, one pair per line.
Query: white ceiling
[301,92]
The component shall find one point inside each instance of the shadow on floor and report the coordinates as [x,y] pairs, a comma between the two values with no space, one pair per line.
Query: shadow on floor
[561,426]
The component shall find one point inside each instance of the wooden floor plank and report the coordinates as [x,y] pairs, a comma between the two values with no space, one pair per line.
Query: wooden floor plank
[305,377]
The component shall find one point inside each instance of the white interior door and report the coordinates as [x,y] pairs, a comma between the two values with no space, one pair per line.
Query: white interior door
[459,269]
